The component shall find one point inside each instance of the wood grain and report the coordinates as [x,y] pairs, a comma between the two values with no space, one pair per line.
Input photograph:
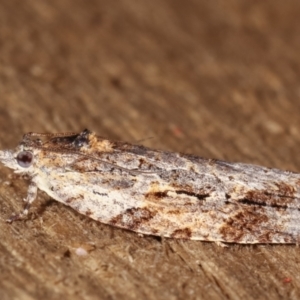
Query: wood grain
[217,79]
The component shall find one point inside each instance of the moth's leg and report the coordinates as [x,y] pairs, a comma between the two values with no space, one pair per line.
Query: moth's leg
[31,196]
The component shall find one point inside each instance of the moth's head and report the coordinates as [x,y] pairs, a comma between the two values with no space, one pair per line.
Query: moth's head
[21,160]
[27,156]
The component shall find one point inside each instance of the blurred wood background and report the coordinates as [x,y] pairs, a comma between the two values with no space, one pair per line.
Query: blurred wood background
[218,79]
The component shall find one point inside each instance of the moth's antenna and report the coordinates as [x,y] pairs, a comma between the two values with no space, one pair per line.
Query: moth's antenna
[59,134]
[143,140]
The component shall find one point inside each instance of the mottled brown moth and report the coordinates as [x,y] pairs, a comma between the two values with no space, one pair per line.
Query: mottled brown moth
[160,193]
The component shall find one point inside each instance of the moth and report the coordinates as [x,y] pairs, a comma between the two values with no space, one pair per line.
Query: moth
[159,193]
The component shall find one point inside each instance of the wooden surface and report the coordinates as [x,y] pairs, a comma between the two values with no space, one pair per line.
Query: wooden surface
[214,78]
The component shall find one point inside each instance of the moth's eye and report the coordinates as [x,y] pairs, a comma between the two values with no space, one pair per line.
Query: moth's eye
[24,159]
